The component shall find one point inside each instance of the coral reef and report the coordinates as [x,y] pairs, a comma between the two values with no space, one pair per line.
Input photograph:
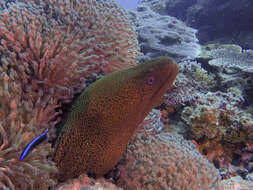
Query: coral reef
[211,100]
[211,124]
[232,67]
[166,161]
[47,50]
[200,75]
[190,83]
[219,126]
[214,101]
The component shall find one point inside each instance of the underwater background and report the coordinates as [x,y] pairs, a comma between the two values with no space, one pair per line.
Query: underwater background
[199,137]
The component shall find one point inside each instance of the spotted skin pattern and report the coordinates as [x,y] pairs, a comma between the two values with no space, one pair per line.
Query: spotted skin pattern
[96,129]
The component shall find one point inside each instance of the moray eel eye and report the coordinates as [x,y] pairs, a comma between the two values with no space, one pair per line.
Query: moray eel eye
[151,80]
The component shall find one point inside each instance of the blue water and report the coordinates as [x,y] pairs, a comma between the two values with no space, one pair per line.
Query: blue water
[128,4]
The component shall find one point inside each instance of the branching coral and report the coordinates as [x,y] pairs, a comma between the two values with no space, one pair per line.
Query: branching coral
[47,50]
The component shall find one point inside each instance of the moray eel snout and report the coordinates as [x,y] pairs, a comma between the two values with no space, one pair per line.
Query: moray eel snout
[96,129]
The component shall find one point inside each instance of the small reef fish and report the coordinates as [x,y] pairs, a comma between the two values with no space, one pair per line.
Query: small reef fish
[99,124]
[37,140]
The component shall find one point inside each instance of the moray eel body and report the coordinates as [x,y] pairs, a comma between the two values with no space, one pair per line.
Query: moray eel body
[101,121]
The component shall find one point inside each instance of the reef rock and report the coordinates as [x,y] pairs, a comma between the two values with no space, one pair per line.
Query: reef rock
[163,35]
[216,20]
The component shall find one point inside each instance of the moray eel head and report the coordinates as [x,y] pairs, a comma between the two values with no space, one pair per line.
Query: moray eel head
[97,128]
[153,78]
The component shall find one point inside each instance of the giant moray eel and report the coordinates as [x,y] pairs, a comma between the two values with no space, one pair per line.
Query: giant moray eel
[101,121]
